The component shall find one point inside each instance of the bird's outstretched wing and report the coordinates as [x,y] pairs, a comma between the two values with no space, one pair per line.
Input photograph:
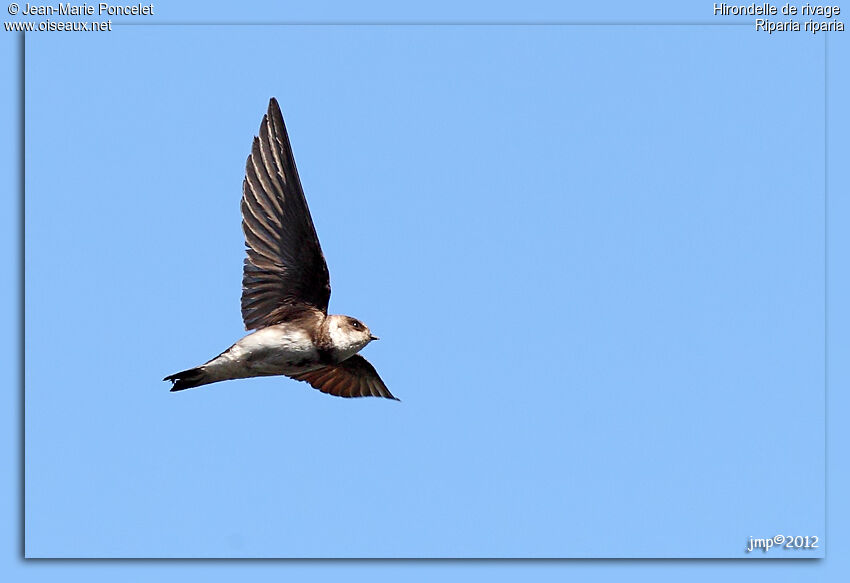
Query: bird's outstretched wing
[285,269]
[353,377]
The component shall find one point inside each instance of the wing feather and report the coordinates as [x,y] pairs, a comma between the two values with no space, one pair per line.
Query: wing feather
[285,270]
[353,377]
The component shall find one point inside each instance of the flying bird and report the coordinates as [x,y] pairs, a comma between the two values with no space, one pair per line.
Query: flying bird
[286,288]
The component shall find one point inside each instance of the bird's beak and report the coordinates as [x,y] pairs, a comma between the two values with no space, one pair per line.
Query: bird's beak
[373,337]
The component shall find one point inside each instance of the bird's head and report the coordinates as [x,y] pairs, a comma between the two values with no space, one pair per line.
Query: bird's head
[349,335]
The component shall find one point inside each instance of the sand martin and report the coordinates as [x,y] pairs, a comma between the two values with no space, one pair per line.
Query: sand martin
[286,288]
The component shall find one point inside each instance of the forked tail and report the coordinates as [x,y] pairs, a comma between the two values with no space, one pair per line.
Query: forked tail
[187,379]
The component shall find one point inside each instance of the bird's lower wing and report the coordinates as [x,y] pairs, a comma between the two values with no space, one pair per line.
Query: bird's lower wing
[353,377]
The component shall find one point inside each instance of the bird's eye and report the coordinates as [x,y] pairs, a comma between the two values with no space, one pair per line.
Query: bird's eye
[356,325]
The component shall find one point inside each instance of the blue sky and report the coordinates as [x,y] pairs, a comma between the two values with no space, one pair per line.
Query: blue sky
[595,256]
